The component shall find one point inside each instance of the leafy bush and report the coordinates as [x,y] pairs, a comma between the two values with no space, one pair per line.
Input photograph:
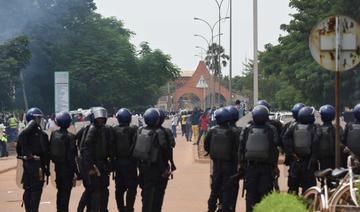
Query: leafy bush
[280,202]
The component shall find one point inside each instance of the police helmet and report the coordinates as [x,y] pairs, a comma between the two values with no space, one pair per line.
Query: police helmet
[162,116]
[357,112]
[99,112]
[263,102]
[222,115]
[260,114]
[152,117]
[234,113]
[295,110]
[123,116]
[32,113]
[306,115]
[327,113]
[63,119]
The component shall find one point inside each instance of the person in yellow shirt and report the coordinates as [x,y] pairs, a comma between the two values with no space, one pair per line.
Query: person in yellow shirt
[3,142]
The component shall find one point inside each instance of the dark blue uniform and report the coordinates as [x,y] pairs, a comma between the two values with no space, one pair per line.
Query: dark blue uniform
[260,172]
[33,144]
[303,166]
[224,184]
[96,154]
[125,167]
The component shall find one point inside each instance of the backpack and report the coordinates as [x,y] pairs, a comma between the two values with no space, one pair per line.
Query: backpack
[123,141]
[145,147]
[302,139]
[327,142]
[222,144]
[257,147]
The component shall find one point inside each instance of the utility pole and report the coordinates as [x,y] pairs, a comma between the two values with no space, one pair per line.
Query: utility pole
[230,62]
[255,34]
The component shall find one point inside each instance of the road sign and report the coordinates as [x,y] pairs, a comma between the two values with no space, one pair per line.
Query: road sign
[61,91]
[330,33]
[334,44]
[202,83]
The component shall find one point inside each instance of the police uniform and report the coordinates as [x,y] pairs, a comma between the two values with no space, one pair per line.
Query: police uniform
[258,154]
[152,152]
[96,154]
[327,146]
[33,147]
[222,144]
[63,153]
[85,200]
[351,137]
[301,141]
[125,167]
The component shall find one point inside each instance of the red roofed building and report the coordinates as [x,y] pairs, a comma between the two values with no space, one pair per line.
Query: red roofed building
[190,92]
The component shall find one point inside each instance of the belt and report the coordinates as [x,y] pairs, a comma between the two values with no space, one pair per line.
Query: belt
[253,162]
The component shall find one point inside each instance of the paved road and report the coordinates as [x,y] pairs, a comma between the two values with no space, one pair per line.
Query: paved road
[188,191]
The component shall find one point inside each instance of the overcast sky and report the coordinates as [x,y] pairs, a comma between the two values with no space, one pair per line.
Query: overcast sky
[169,25]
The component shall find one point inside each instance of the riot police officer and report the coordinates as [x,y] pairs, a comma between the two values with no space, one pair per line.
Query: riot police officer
[222,143]
[153,156]
[96,155]
[301,141]
[63,153]
[33,148]
[327,139]
[295,111]
[258,154]
[234,117]
[125,165]
[352,133]
[85,200]
[274,122]
[167,136]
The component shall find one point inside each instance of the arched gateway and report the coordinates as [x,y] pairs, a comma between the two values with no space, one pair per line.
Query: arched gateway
[198,85]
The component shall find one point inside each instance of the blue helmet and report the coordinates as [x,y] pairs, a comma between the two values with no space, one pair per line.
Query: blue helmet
[306,115]
[152,117]
[356,112]
[123,116]
[264,103]
[327,113]
[162,116]
[32,113]
[234,113]
[295,110]
[222,115]
[260,114]
[63,119]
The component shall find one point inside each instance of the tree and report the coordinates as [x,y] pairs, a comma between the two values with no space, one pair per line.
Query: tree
[14,57]
[105,67]
[290,67]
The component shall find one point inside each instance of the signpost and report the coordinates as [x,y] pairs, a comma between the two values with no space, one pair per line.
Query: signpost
[61,91]
[202,84]
[334,44]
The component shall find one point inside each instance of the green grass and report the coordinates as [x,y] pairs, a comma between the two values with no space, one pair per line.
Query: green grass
[280,202]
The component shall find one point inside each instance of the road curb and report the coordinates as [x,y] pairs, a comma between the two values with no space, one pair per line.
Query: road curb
[197,159]
[7,169]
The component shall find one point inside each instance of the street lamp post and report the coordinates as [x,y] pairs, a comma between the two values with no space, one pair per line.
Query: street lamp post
[230,54]
[219,4]
[212,41]
[255,34]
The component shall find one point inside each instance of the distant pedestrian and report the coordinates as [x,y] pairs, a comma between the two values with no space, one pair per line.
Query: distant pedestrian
[3,142]
[183,123]
[188,132]
[204,125]
[174,122]
[195,120]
